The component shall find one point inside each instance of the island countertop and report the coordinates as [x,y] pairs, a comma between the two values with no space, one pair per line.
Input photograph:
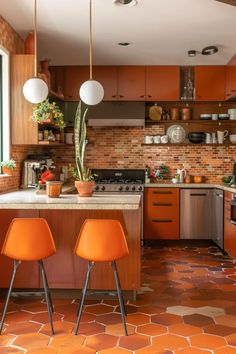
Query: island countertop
[28,199]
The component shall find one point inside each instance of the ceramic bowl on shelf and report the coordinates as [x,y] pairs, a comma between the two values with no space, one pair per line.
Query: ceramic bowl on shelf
[223,116]
[205,116]
[196,137]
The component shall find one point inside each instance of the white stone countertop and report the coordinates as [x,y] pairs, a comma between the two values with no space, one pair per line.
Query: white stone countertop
[28,199]
[190,185]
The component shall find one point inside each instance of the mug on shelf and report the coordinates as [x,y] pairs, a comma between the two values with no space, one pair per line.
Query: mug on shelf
[148,139]
[157,139]
[221,135]
[164,139]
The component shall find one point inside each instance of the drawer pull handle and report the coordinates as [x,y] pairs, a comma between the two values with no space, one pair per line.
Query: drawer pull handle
[198,194]
[162,204]
[162,192]
[162,220]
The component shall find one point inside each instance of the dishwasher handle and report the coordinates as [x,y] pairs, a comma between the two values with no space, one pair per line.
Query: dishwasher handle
[198,194]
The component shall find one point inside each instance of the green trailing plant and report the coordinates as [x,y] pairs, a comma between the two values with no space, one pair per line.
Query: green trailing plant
[80,172]
[9,164]
[47,111]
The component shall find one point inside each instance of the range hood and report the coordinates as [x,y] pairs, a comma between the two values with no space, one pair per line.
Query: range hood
[116,114]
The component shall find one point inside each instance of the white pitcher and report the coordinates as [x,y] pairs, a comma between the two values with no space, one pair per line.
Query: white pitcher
[182,174]
[208,138]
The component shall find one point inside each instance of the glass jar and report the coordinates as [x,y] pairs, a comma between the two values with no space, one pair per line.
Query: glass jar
[53,189]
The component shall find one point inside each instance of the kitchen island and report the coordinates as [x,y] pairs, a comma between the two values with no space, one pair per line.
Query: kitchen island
[65,216]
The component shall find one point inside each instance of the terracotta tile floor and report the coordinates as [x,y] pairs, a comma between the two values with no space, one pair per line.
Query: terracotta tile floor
[187,305]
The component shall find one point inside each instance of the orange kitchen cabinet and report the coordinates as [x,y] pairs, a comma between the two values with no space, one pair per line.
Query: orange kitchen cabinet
[161,213]
[162,83]
[107,76]
[230,82]
[131,83]
[229,229]
[210,83]
[75,76]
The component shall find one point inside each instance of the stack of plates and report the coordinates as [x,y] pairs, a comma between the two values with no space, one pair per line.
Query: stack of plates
[232,113]
[223,116]
[205,116]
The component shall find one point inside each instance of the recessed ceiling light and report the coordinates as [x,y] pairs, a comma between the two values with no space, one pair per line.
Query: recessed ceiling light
[126,2]
[124,44]
[210,50]
[192,53]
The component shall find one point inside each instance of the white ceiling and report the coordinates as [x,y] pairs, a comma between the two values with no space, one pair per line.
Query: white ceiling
[161,31]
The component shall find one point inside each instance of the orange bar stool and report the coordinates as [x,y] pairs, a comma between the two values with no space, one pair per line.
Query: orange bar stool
[29,239]
[101,241]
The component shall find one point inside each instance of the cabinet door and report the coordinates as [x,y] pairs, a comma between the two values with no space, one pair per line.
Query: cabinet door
[75,76]
[229,229]
[131,83]
[162,83]
[210,83]
[107,76]
[27,275]
[23,129]
[230,81]
[161,213]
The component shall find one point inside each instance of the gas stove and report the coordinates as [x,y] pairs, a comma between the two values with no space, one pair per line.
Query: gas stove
[119,180]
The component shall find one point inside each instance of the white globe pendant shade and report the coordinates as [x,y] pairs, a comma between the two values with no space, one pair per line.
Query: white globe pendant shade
[91,92]
[35,90]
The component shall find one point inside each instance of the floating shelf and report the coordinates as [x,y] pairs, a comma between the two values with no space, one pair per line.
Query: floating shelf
[188,144]
[190,121]
[45,142]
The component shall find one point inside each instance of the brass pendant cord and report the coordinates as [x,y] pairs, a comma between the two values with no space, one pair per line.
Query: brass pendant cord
[35,38]
[90,41]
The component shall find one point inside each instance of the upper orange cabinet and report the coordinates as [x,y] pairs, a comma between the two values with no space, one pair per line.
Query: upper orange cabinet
[230,89]
[131,83]
[162,83]
[210,83]
[107,76]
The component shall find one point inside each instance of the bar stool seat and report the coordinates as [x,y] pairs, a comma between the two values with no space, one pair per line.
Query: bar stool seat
[29,239]
[101,240]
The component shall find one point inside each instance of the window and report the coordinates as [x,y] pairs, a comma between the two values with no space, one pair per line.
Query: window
[4,106]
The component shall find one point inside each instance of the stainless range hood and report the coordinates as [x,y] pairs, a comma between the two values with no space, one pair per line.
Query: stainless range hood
[116,114]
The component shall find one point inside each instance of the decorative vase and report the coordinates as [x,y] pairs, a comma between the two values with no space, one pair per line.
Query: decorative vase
[85,188]
[7,171]
[29,43]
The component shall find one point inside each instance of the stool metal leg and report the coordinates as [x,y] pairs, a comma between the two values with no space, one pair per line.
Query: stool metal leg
[16,264]
[80,309]
[49,294]
[120,297]
[46,295]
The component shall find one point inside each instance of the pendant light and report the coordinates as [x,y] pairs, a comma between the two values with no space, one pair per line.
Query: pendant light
[91,91]
[35,89]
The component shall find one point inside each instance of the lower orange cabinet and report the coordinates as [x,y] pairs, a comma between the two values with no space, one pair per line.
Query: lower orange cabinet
[229,229]
[161,213]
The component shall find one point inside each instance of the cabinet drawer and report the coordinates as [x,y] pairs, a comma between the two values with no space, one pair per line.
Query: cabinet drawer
[161,228]
[162,195]
[163,212]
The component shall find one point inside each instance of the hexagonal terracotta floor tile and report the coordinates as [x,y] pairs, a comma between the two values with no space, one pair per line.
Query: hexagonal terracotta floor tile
[231,339]
[77,350]
[43,317]
[134,342]
[110,318]
[151,329]
[99,309]
[59,328]
[166,319]
[19,316]
[170,342]
[72,316]
[150,310]
[225,350]
[118,329]
[101,341]
[6,339]
[151,350]
[137,319]
[114,351]
[31,341]
[67,341]
[91,328]
[219,330]
[192,351]
[35,307]
[23,328]
[10,350]
[129,309]
[43,350]
[226,320]
[183,329]
[198,320]
[207,341]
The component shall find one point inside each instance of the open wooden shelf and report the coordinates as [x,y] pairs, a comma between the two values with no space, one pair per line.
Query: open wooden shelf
[46,142]
[188,144]
[191,121]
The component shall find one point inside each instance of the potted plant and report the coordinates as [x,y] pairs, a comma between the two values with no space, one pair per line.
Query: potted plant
[83,178]
[8,167]
[46,112]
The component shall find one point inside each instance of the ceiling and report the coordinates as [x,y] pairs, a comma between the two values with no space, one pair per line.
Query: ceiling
[160,31]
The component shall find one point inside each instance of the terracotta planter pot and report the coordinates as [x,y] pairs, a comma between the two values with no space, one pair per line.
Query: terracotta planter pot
[7,171]
[85,188]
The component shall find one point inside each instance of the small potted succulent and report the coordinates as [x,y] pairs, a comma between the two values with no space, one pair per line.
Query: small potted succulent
[84,179]
[46,112]
[8,167]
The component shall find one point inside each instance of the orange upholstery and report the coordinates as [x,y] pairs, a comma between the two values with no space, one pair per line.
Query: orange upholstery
[28,239]
[101,240]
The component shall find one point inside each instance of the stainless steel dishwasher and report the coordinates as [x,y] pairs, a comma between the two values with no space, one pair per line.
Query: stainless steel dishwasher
[196,214]
[218,217]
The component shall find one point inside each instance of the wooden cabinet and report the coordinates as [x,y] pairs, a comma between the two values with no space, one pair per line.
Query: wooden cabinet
[230,86]
[107,76]
[131,83]
[23,129]
[162,83]
[74,78]
[210,83]
[161,213]
[229,229]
